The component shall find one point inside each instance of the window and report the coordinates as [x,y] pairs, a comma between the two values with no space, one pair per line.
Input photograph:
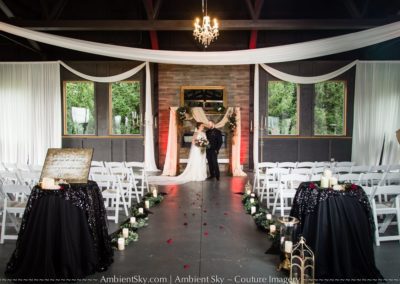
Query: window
[79,108]
[329,108]
[282,108]
[126,117]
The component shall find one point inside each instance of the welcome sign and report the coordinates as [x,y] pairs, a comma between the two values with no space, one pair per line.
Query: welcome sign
[69,164]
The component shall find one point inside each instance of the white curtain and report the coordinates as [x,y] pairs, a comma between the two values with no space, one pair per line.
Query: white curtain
[376,113]
[30,111]
[285,53]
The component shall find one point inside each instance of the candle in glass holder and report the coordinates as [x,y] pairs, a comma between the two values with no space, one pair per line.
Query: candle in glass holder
[324,182]
[253,210]
[269,216]
[252,200]
[121,243]
[154,192]
[248,192]
[147,204]
[333,181]
[253,194]
[288,246]
[272,228]
[125,232]
[140,210]
[132,220]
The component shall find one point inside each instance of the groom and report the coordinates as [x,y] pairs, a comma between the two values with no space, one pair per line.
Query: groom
[214,137]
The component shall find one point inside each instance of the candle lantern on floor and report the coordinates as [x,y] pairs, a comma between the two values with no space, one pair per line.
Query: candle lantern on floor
[247,188]
[287,230]
[302,264]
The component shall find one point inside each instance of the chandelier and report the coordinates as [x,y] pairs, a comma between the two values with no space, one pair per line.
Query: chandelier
[205,33]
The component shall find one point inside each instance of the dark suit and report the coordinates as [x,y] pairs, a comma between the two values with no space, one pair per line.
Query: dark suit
[214,136]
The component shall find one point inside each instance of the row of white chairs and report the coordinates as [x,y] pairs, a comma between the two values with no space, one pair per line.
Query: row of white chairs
[11,167]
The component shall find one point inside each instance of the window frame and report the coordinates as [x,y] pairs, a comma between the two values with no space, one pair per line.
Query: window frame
[344,111]
[265,131]
[110,106]
[65,127]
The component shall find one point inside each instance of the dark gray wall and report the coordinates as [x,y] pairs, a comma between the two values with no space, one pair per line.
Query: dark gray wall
[306,147]
[106,147]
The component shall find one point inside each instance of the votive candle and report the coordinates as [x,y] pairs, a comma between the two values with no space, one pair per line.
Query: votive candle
[121,243]
[125,232]
[132,220]
[253,194]
[147,204]
[253,210]
[269,216]
[252,200]
[272,228]
[248,192]
[324,182]
[288,246]
[140,210]
[154,192]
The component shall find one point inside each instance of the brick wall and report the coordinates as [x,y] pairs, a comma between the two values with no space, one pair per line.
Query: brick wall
[235,79]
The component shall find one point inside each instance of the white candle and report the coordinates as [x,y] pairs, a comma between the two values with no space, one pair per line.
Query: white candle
[154,192]
[132,220]
[121,243]
[253,210]
[288,246]
[251,125]
[147,204]
[328,173]
[252,194]
[265,122]
[125,232]
[269,216]
[248,192]
[251,200]
[272,228]
[140,210]
[324,182]
[333,181]
[155,122]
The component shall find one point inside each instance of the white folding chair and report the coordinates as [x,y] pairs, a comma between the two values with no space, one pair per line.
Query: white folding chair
[114,164]
[259,172]
[371,179]
[98,171]
[394,168]
[9,178]
[139,174]
[360,169]
[128,182]
[36,168]
[301,171]
[318,170]
[10,166]
[342,170]
[305,165]
[97,164]
[322,164]
[379,169]
[113,194]
[347,178]
[23,167]
[29,178]
[14,203]
[389,209]
[270,182]
[344,164]
[391,178]
[290,165]
[288,185]
[315,177]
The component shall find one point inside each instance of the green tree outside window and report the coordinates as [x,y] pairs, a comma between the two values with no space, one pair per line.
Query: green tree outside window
[126,116]
[329,108]
[80,108]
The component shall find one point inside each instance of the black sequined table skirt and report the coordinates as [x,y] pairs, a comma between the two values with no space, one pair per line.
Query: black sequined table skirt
[338,226]
[63,235]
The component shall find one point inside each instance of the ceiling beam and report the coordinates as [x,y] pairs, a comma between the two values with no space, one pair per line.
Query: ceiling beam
[187,25]
[151,15]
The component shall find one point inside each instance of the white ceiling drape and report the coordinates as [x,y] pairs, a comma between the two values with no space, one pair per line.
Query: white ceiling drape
[284,53]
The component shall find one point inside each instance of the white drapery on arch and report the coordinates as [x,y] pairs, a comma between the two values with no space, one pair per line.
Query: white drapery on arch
[198,114]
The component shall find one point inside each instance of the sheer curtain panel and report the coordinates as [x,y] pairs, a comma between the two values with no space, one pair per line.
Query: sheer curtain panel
[30,111]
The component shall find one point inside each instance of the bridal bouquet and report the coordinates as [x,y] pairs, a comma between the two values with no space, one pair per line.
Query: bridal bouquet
[202,143]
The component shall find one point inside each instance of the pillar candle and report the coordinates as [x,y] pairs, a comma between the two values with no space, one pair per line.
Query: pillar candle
[248,192]
[121,243]
[147,204]
[252,194]
[140,210]
[288,246]
[253,210]
[328,173]
[125,232]
[272,228]
[155,193]
[333,181]
[269,216]
[132,220]
[251,200]
[324,182]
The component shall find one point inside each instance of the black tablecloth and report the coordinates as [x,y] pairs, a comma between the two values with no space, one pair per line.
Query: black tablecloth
[338,226]
[63,235]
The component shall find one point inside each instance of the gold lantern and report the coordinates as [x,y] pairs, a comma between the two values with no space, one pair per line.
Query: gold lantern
[302,269]
[288,229]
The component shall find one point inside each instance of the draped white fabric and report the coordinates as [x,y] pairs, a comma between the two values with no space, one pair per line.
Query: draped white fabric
[376,113]
[172,146]
[285,53]
[30,111]
[307,80]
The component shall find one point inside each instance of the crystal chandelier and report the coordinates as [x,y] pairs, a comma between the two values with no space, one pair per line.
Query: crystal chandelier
[205,33]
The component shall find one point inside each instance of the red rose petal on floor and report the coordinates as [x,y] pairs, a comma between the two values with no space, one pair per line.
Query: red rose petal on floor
[169,241]
[184,214]
[186,266]
[205,211]
[204,224]
[205,233]
[193,214]
[185,224]
[225,213]
[221,227]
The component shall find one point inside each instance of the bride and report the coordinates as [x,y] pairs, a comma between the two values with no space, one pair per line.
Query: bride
[196,168]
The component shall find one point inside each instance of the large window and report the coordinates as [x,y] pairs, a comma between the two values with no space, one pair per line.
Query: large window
[126,117]
[282,108]
[79,108]
[329,109]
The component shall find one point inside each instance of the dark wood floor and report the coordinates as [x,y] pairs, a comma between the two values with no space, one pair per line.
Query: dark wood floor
[211,236]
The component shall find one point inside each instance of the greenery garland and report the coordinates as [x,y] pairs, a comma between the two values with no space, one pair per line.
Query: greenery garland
[182,112]
[232,122]
[141,220]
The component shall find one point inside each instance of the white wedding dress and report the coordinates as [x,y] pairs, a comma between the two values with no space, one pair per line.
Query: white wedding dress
[196,168]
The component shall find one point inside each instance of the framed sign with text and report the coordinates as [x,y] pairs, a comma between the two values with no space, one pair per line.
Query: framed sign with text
[69,164]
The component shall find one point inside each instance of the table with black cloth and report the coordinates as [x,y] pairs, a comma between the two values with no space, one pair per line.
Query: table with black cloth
[63,235]
[339,228]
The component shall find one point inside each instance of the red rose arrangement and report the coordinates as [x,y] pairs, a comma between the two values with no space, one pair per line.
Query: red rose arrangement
[353,186]
[312,185]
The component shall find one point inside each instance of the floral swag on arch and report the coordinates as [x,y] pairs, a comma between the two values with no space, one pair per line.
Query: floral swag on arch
[198,115]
